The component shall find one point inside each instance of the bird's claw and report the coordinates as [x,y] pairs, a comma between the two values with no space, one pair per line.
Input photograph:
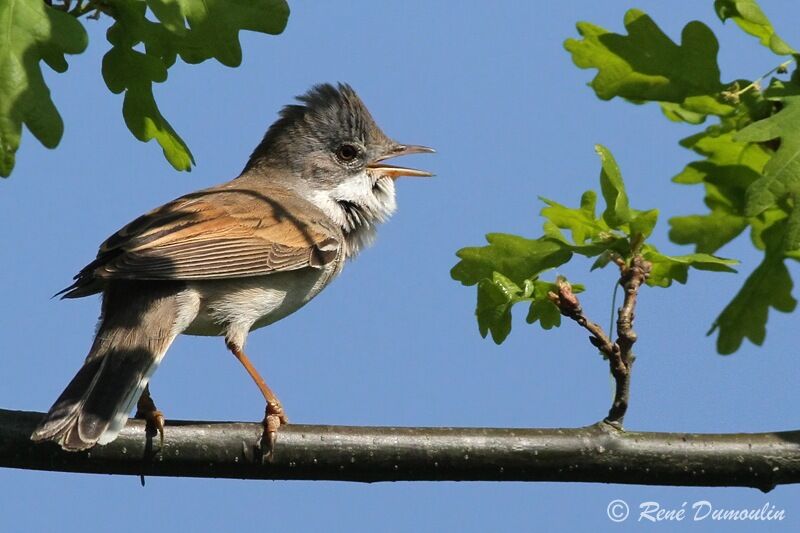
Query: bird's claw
[155,423]
[146,410]
[274,418]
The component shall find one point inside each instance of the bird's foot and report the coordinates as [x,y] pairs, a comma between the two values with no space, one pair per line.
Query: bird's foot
[274,418]
[146,410]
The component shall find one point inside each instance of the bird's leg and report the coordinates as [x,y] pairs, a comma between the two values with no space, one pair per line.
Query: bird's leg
[146,410]
[274,415]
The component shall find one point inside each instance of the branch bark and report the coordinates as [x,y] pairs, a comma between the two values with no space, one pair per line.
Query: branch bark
[633,276]
[598,453]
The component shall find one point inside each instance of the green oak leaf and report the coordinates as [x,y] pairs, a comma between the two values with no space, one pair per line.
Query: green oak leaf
[544,311]
[745,317]
[722,152]
[678,113]
[602,260]
[748,16]
[496,296]
[666,269]
[644,223]
[648,65]
[127,70]
[30,32]
[617,210]
[791,240]
[729,168]
[170,14]
[725,220]
[195,30]
[762,225]
[582,222]
[769,285]
[707,232]
[516,258]
[133,72]
[781,175]
[215,26]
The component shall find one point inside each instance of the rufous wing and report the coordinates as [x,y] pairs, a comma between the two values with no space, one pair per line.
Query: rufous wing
[214,234]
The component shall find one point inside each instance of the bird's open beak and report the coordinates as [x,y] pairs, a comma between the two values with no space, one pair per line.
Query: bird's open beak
[395,172]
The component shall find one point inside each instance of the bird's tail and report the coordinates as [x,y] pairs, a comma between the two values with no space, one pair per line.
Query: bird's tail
[136,329]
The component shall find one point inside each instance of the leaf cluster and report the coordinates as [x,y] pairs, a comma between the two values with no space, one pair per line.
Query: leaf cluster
[147,36]
[508,270]
[749,163]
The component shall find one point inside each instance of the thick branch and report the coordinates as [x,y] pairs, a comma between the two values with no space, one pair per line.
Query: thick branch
[599,453]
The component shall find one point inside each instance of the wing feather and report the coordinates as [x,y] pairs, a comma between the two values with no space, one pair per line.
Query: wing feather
[214,234]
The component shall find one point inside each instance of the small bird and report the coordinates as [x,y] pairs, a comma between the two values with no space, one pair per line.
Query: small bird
[230,259]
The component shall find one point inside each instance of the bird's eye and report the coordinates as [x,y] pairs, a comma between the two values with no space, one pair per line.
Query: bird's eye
[347,153]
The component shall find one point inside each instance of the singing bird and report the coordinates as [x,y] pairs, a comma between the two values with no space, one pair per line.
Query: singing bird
[230,259]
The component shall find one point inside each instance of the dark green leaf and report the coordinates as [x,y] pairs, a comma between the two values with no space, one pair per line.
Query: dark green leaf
[730,167]
[791,240]
[667,269]
[748,16]
[194,29]
[31,32]
[648,65]
[782,172]
[723,153]
[602,260]
[132,71]
[542,309]
[495,299]
[707,232]
[770,285]
[545,312]
[762,226]
[515,257]
[215,26]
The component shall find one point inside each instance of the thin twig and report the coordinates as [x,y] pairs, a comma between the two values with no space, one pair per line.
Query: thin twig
[569,305]
[621,361]
[735,93]
[620,353]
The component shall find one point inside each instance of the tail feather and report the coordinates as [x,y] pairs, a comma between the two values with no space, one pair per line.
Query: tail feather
[134,334]
[62,417]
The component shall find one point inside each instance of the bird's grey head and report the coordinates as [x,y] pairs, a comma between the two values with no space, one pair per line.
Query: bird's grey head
[331,152]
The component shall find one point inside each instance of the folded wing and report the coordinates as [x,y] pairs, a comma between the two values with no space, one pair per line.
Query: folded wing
[214,234]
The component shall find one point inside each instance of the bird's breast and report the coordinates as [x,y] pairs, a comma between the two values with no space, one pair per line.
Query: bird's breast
[251,303]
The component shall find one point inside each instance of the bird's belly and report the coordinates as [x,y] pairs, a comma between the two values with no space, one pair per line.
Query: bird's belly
[250,303]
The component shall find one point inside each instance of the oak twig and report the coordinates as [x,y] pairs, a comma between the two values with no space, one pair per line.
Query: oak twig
[633,277]
[620,352]
[598,453]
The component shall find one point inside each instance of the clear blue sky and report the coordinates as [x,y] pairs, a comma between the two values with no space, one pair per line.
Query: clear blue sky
[393,341]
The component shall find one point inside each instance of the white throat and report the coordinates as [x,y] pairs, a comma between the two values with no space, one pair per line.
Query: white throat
[357,206]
